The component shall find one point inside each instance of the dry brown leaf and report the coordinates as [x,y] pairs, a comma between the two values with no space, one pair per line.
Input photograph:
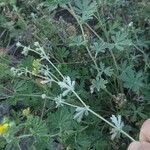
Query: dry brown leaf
[2,51]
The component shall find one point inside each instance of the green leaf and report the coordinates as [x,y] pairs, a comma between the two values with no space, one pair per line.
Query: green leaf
[4,2]
[106,70]
[121,40]
[137,113]
[36,126]
[83,141]
[61,119]
[99,47]
[85,9]
[101,144]
[99,83]
[4,70]
[132,80]
[27,62]
[61,53]
[54,3]
[20,86]
[39,131]
[76,41]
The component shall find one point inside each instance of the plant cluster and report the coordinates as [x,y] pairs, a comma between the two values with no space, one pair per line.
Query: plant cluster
[74,74]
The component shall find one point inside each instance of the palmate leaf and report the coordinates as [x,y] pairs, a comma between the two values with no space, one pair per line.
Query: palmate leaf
[137,112]
[39,131]
[61,53]
[61,119]
[4,70]
[85,9]
[52,4]
[99,83]
[108,71]
[121,41]
[59,101]
[36,126]
[132,80]
[58,2]
[142,42]
[99,47]
[80,112]
[115,132]
[83,142]
[67,85]
[3,2]
[76,41]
